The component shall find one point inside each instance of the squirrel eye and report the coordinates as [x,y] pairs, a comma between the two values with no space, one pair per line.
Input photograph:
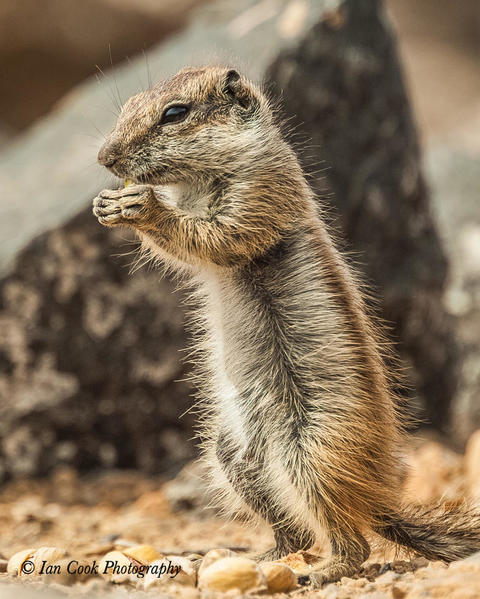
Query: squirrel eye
[174,114]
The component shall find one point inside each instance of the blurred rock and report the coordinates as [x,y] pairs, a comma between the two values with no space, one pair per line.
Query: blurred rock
[90,359]
[344,86]
[90,354]
[455,181]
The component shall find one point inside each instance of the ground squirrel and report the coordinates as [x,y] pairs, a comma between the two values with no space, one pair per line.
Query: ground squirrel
[300,424]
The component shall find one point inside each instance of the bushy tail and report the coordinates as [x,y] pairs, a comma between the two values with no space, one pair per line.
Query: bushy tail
[436,533]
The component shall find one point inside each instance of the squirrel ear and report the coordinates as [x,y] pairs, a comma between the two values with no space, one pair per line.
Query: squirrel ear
[234,88]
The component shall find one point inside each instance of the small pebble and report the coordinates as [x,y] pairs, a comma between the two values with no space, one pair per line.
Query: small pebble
[17,560]
[194,556]
[187,574]
[214,555]
[385,568]
[387,578]
[144,554]
[420,562]
[176,569]
[401,566]
[115,566]
[232,573]
[303,580]
[398,593]
[45,557]
[279,577]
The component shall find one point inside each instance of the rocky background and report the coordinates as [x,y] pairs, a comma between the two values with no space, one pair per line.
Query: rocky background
[382,101]
[89,352]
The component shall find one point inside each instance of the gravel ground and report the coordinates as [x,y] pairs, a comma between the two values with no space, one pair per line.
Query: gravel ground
[89,517]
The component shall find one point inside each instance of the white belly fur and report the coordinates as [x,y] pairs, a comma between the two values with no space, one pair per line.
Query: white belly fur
[231,418]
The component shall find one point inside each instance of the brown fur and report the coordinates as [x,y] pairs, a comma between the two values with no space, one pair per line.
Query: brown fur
[299,424]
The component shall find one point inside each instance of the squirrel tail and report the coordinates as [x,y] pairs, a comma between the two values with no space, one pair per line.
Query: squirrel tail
[445,534]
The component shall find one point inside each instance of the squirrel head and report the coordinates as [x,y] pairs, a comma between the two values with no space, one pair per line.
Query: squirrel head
[203,123]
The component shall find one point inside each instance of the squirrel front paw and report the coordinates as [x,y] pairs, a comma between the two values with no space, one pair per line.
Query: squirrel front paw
[127,206]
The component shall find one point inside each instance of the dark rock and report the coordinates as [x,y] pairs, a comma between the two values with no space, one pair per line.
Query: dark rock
[89,358]
[344,87]
[90,354]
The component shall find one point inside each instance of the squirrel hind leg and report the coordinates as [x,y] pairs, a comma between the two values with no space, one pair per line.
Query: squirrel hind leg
[349,551]
[287,540]
[246,472]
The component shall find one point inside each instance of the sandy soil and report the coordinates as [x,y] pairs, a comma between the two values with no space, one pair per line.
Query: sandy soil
[92,516]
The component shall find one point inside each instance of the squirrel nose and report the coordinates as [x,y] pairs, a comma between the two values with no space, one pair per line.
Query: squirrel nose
[108,155]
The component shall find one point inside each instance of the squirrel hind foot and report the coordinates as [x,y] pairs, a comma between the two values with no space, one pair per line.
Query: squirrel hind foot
[348,554]
[287,541]
[332,570]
